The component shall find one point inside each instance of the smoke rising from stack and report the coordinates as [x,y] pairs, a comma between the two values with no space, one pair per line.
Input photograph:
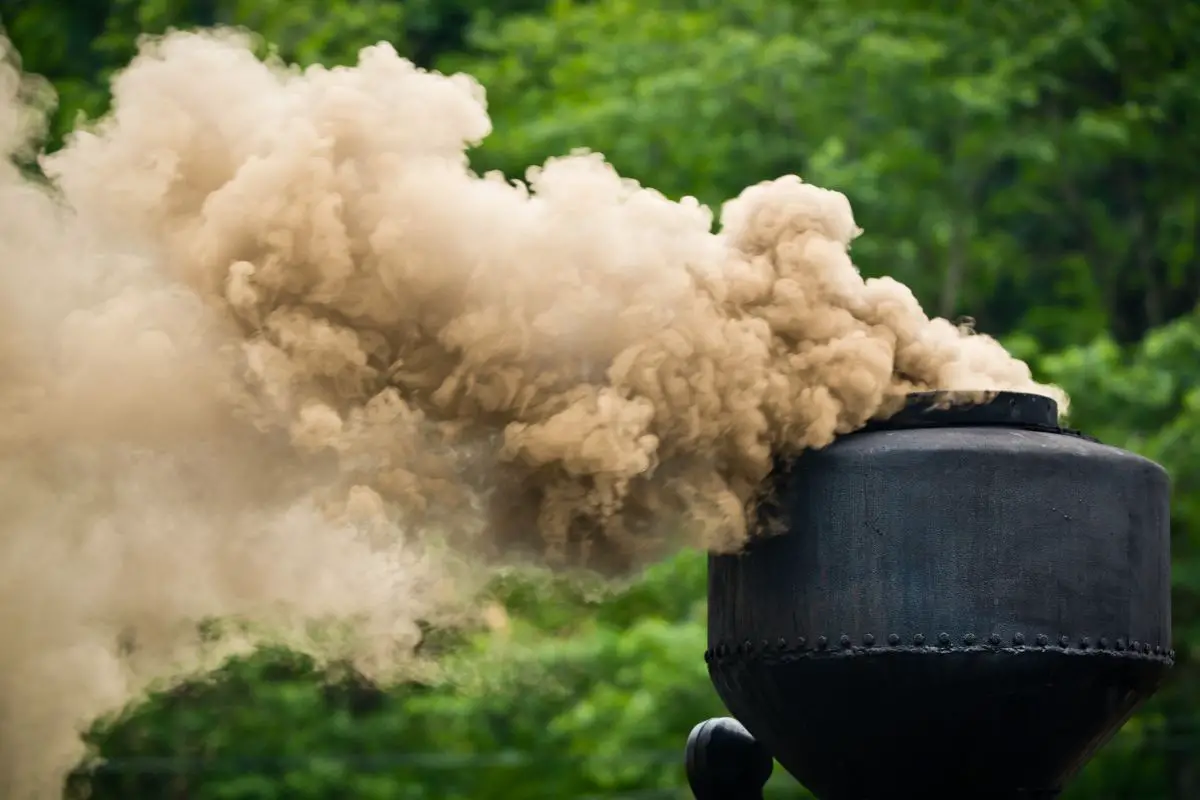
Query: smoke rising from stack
[271,352]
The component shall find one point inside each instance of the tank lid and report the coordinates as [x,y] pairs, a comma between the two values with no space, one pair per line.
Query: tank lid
[944,409]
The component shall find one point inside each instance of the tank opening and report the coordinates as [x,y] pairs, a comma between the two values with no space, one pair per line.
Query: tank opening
[944,409]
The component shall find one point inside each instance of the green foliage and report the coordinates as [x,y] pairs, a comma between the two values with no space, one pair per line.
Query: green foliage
[1031,164]
[528,712]
[986,176]
[79,44]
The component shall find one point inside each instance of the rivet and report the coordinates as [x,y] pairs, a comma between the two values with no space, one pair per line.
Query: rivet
[1135,646]
[919,640]
[869,640]
[893,639]
[994,640]
[1085,643]
[1063,641]
[845,641]
[944,639]
[1146,648]
[1019,639]
[782,643]
[1171,654]
[1120,644]
[1042,640]
[1102,644]
[708,656]
[766,645]
[748,647]
[801,642]
[822,642]
[969,640]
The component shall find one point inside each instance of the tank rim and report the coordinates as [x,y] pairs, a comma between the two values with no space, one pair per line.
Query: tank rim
[939,409]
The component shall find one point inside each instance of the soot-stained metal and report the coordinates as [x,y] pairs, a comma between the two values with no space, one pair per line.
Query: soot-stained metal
[958,602]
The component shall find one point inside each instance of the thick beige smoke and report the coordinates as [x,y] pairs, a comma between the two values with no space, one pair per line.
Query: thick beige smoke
[271,351]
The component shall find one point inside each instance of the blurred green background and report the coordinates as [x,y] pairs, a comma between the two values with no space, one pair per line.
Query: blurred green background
[1034,165]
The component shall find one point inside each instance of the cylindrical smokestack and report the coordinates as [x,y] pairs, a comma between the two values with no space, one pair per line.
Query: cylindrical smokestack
[962,602]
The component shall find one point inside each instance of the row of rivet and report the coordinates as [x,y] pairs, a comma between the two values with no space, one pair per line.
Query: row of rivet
[943,640]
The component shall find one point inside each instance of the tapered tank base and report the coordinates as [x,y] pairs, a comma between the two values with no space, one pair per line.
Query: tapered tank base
[900,723]
[725,762]
[959,795]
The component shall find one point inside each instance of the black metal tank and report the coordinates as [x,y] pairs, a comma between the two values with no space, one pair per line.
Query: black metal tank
[964,602]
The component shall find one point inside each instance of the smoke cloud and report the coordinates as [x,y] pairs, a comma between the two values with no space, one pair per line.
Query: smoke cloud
[270,351]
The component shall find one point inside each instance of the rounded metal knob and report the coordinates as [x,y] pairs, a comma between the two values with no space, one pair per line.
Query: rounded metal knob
[724,762]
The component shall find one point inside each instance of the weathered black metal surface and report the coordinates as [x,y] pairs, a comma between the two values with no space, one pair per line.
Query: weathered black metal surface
[964,604]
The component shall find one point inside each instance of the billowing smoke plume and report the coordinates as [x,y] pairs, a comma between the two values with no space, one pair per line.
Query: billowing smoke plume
[270,351]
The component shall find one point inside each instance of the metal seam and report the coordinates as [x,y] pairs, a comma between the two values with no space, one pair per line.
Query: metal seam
[822,646]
